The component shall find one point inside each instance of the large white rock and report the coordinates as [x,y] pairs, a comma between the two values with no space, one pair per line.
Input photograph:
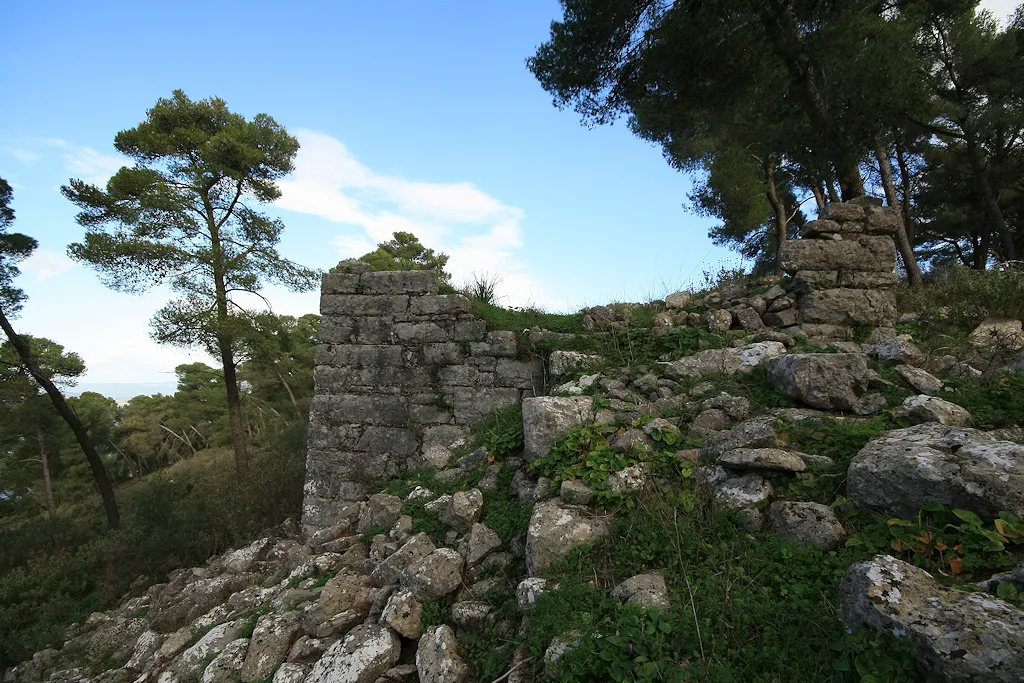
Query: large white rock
[956,466]
[269,645]
[830,381]
[227,666]
[958,636]
[362,657]
[1000,332]
[727,361]
[555,529]
[924,408]
[436,575]
[437,657]
[546,419]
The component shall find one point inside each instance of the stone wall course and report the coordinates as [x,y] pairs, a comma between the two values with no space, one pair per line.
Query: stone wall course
[402,373]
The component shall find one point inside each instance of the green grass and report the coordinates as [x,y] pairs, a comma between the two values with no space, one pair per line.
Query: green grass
[743,608]
[993,402]
[838,439]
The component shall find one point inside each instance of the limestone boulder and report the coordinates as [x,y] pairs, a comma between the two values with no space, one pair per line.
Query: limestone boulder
[563,362]
[546,419]
[472,615]
[829,381]
[958,636]
[436,575]
[810,523]
[772,459]
[728,361]
[381,512]
[847,306]
[437,657]
[894,352]
[574,491]
[191,663]
[924,408]
[648,590]
[269,645]
[860,254]
[478,544]
[290,673]
[362,657]
[404,614]
[226,667]
[716,320]
[1006,333]
[958,467]
[555,529]
[347,591]
[737,493]
[756,433]
[463,511]
[922,381]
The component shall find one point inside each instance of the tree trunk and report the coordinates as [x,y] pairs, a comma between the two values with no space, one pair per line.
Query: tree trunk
[905,184]
[851,184]
[291,395]
[234,410]
[51,504]
[981,252]
[95,463]
[988,197]
[781,220]
[833,196]
[225,344]
[819,198]
[902,241]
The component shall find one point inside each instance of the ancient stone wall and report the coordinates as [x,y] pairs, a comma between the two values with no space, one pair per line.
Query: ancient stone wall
[842,266]
[402,373]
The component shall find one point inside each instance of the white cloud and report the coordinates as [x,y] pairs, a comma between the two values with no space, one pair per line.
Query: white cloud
[46,264]
[89,165]
[25,156]
[480,233]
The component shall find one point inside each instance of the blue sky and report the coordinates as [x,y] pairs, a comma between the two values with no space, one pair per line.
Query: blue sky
[411,115]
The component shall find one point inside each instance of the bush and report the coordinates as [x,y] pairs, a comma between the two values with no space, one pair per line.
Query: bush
[54,573]
[966,297]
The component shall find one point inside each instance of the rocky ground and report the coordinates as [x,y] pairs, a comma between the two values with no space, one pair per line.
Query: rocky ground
[398,586]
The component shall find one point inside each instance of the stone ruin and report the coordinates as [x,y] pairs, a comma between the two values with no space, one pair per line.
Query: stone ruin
[403,372]
[843,265]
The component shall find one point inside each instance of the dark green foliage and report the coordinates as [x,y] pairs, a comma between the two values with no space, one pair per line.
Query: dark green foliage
[14,248]
[56,572]
[744,608]
[404,252]
[502,433]
[994,402]
[185,216]
[963,298]
[955,546]
[838,439]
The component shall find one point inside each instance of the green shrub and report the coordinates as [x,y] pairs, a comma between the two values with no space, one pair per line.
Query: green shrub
[993,402]
[965,298]
[743,607]
[502,433]
[174,518]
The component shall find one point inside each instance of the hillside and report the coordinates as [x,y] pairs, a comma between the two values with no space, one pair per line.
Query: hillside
[700,488]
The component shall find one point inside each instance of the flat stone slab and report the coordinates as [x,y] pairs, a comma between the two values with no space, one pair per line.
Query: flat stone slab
[772,459]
